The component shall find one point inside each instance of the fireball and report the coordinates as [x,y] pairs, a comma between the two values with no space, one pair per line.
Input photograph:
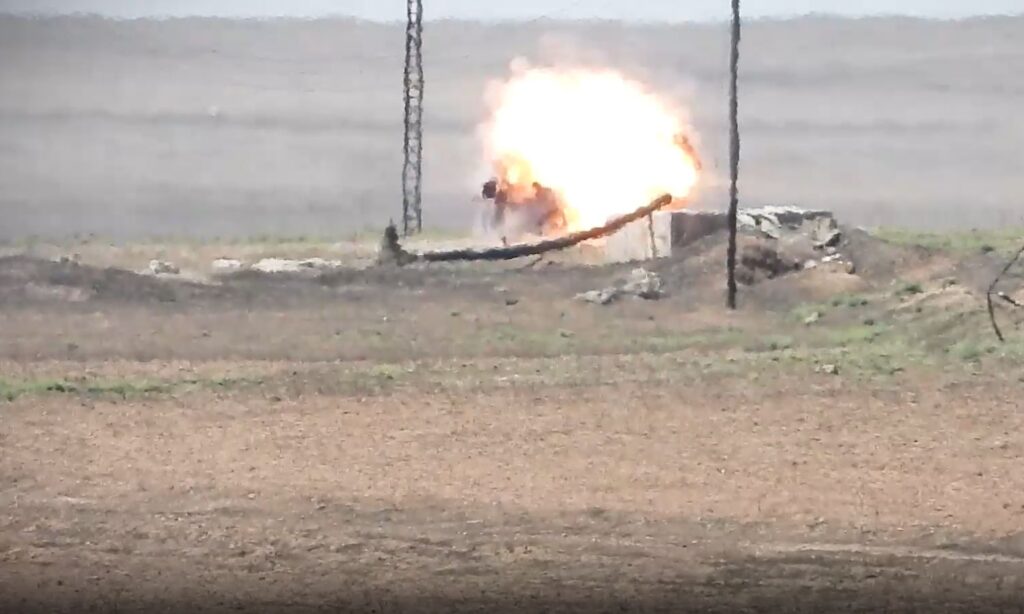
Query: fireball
[603,143]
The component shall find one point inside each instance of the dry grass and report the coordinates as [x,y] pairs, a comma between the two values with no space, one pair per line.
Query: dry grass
[278,428]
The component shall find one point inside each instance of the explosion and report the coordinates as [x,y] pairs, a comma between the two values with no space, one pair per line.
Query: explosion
[598,141]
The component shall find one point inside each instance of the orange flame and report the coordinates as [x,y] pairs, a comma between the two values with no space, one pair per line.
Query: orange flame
[601,142]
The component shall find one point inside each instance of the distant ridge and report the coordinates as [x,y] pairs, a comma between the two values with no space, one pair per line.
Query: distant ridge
[33,12]
[251,126]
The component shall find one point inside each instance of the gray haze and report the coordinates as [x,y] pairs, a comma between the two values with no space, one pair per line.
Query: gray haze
[215,127]
[389,10]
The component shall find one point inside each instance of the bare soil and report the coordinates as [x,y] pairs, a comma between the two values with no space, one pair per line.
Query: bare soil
[472,438]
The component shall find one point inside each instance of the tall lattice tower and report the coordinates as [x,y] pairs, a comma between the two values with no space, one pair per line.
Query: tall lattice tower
[412,168]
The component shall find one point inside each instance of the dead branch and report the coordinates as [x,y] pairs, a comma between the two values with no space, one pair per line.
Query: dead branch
[1009,299]
[392,251]
[992,292]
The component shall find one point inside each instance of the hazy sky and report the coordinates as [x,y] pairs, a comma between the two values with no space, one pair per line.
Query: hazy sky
[660,10]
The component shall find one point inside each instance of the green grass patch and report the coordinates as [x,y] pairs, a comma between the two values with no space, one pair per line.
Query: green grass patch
[806,311]
[711,339]
[512,340]
[909,289]
[975,349]
[852,335]
[771,343]
[971,350]
[14,389]
[801,313]
[11,390]
[1003,240]
[851,301]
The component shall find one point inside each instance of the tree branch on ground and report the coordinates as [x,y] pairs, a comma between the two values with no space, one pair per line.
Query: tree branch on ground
[992,293]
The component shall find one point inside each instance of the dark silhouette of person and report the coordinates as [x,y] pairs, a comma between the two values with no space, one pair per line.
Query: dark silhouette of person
[491,191]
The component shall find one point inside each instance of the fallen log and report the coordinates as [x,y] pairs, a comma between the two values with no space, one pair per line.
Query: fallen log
[393,253]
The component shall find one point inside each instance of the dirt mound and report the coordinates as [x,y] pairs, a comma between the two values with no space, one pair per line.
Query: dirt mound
[760,260]
[978,271]
[878,260]
[26,279]
[785,272]
[757,259]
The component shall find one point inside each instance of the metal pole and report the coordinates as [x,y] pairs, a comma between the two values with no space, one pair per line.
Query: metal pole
[412,167]
[734,152]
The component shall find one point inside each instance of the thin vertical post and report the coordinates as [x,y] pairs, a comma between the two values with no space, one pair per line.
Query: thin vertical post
[734,152]
[412,166]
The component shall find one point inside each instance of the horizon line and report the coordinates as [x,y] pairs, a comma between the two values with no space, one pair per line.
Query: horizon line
[823,15]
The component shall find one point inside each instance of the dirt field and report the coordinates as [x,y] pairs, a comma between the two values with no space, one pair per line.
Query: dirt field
[471,438]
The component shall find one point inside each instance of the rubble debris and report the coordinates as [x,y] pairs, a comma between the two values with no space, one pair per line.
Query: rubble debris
[282,265]
[823,230]
[599,297]
[641,283]
[761,260]
[319,263]
[767,225]
[644,284]
[161,267]
[777,222]
[835,258]
[803,230]
[276,265]
[830,239]
[227,265]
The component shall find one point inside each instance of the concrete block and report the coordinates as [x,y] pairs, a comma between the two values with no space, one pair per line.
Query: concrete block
[690,226]
[672,229]
[675,229]
[634,242]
